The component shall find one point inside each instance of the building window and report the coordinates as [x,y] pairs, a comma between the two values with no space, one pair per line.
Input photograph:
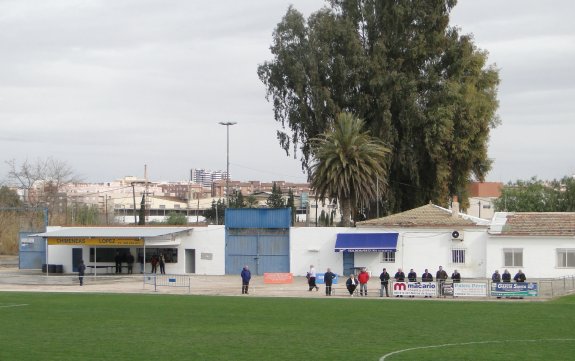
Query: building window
[565,258]
[513,257]
[176,206]
[458,256]
[388,256]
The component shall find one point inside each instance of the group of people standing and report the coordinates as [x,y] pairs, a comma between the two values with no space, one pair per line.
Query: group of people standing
[155,261]
[506,276]
[440,276]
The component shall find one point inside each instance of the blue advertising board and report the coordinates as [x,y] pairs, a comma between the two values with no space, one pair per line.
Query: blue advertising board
[519,289]
[319,279]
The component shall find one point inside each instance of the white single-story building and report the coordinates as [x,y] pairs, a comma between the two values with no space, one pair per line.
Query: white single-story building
[541,244]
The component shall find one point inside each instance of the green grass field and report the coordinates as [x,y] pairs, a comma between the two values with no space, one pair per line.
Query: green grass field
[57,326]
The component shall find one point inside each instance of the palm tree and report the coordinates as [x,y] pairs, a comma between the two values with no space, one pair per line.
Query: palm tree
[347,165]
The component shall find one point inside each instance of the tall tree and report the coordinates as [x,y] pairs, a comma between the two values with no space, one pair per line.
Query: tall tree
[420,86]
[215,214]
[276,199]
[347,165]
[237,199]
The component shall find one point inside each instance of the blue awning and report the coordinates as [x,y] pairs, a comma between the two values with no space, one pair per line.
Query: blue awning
[366,242]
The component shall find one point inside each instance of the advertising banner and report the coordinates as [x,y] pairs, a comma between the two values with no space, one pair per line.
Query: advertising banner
[470,289]
[278,278]
[447,289]
[95,241]
[420,289]
[319,279]
[519,289]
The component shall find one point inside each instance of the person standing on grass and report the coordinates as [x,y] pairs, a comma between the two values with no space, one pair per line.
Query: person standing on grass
[351,284]
[363,277]
[311,278]
[81,271]
[384,279]
[246,277]
[328,280]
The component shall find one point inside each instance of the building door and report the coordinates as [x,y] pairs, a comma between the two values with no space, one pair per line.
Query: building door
[190,261]
[77,256]
[348,263]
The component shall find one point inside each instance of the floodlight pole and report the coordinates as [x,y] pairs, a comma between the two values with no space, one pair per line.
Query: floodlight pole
[227,124]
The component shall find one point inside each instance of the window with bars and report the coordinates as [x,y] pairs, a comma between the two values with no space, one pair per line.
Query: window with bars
[458,255]
[388,256]
[513,257]
[565,258]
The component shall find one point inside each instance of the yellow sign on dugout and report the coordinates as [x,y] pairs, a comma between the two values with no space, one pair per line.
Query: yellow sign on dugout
[98,241]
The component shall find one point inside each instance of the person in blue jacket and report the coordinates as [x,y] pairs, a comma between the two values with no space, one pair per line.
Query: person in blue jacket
[246,276]
[328,278]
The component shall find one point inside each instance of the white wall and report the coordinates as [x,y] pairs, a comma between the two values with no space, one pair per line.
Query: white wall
[311,245]
[539,255]
[417,249]
[210,239]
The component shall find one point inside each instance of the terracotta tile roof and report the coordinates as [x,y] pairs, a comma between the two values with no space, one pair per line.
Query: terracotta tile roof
[428,215]
[539,224]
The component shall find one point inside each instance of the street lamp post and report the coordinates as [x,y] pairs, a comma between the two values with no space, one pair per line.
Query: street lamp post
[227,124]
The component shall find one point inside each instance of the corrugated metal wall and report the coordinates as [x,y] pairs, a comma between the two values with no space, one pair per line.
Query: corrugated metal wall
[258,238]
[32,251]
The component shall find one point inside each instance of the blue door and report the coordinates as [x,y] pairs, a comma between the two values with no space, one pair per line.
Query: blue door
[348,263]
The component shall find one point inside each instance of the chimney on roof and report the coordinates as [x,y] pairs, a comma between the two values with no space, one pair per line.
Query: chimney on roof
[455,207]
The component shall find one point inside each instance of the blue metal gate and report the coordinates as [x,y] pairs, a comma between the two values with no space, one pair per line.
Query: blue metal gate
[258,238]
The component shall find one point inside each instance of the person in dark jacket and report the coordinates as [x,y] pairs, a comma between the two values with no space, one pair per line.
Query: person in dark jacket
[246,277]
[81,271]
[441,276]
[506,276]
[328,280]
[519,277]
[162,264]
[412,277]
[351,284]
[426,277]
[496,277]
[456,277]
[384,279]
[130,261]
[154,263]
[118,261]
[399,277]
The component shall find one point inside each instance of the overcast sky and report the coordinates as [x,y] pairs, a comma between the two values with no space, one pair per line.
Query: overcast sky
[111,85]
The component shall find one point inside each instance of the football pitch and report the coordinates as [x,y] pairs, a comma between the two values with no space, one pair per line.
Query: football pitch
[62,326]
